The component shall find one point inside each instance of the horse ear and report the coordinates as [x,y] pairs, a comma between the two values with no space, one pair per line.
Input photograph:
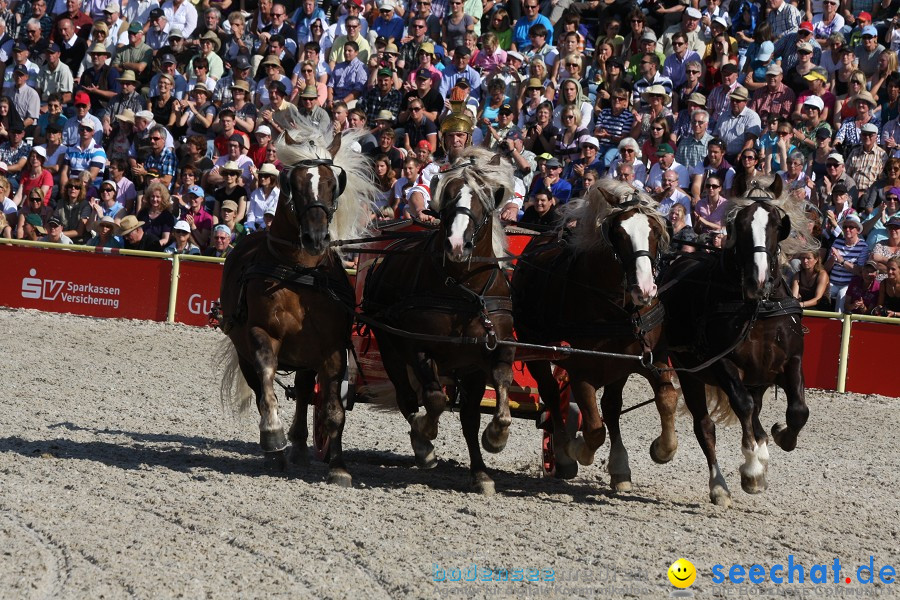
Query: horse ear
[335,145]
[495,161]
[500,195]
[597,193]
[776,187]
[784,229]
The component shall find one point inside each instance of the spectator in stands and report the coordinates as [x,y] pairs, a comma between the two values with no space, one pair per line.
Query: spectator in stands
[238,231]
[889,294]
[692,148]
[221,242]
[711,208]
[669,193]
[718,101]
[36,210]
[740,128]
[261,198]
[155,214]
[681,231]
[132,232]
[862,294]
[182,244]
[542,214]
[666,163]
[521,40]
[714,164]
[31,227]
[850,134]
[231,188]
[629,154]
[198,219]
[34,176]
[55,77]
[868,51]
[126,194]
[55,233]
[848,254]
[14,152]
[835,174]
[85,156]
[810,283]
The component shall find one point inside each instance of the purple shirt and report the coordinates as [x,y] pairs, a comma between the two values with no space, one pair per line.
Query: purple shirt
[349,77]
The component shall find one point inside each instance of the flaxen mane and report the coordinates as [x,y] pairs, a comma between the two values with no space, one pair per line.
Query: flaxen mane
[475,169]
[767,189]
[604,200]
[356,203]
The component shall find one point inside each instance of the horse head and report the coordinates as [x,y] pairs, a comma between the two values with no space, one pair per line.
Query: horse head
[466,204]
[754,234]
[636,234]
[309,194]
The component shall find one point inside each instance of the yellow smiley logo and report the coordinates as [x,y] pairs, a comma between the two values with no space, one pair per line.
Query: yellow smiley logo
[682,573]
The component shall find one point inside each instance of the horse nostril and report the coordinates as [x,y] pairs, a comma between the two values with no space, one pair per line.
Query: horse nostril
[468,245]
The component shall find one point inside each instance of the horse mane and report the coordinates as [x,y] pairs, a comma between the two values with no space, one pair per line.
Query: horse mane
[354,212]
[768,188]
[603,200]
[477,169]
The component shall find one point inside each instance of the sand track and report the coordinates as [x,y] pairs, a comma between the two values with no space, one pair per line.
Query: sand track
[121,476]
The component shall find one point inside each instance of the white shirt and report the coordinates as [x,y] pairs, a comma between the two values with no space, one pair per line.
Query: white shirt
[676,197]
[258,206]
[654,178]
[184,17]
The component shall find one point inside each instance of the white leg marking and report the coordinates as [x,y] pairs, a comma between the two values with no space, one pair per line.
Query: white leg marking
[752,466]
[716,479]
[637,226]
[763,454]
[758,228]
[460,221]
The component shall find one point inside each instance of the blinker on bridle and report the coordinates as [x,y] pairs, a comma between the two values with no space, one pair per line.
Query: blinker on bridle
[340,177]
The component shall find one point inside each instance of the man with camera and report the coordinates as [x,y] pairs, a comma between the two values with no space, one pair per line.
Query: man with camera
[525,163]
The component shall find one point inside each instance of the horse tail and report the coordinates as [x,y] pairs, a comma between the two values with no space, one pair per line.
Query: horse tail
[719,406]
[235,393]
[380,395]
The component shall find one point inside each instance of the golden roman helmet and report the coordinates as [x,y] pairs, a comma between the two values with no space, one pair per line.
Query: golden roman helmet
[458,120]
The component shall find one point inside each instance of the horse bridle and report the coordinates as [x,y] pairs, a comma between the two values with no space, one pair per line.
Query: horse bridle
[630,279]
[771,260]
[340,176]
[462,210]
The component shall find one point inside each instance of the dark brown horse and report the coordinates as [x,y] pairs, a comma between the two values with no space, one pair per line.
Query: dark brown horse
[734,330]
[434,287]
[286,300]
[595,290]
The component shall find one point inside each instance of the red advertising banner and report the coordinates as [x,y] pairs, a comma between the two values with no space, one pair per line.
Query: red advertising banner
[821,350]
[869,368]
[198,288]
[95,285]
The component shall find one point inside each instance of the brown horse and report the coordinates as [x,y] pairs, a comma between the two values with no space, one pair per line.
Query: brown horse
[734,330]
[434,289]
[595,289]
[286,299]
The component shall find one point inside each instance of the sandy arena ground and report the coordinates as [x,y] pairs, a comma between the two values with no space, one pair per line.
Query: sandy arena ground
[121,476]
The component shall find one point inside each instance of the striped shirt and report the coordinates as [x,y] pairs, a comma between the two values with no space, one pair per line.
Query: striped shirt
[80,159]
[692,151]
[857,254]
[616,125]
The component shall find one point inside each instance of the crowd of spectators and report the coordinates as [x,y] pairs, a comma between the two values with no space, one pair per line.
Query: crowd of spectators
[151,126]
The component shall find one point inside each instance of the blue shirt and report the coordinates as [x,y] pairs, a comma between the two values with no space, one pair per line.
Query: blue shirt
[81,160]
[523,26]
[451,75]
[348,77]
[392,28]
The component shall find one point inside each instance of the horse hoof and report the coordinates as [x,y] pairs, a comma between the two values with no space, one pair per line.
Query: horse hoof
[720,497]
[658,456]
[483,484]
[754,485]
[578,450]
[620,483]
[273,441]
[299,455]
[424,451]
[494,443]
[781,436]
[340,478]
[565,470]
[275,461]
[419,426]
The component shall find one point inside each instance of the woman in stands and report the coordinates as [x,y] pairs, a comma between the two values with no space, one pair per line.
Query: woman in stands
[889,294]
[156,214]
[34,176]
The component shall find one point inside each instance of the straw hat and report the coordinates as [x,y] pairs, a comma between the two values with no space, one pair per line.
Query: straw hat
[100,49]
[212,37]
[656,90]
[268,169]
[866,97]
[98,226]
[240,85]
[126,115]
[272,60]
[127,75]
[231,166]
[201,87]
[129,224]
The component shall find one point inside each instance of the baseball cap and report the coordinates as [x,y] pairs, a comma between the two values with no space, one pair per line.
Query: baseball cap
[182,226]
[167,59]
[765,51]
[264,129]
[693,13]
[20,69]
[590,140]
[86,122]
[664,149]
[774,70]
[135,28]
[423,73]
[237,138]
[869,128]
[385,72]
[462,50]
[240,63]
[197,191]
[424,144]
[868,30]
[835,157]
[54,221]
[505,109]
[806,25]
[814,101]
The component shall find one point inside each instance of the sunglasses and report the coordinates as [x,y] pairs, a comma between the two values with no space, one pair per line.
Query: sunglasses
[893,199]
[712,186]
[73,187]
[37,199]
[156,139]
